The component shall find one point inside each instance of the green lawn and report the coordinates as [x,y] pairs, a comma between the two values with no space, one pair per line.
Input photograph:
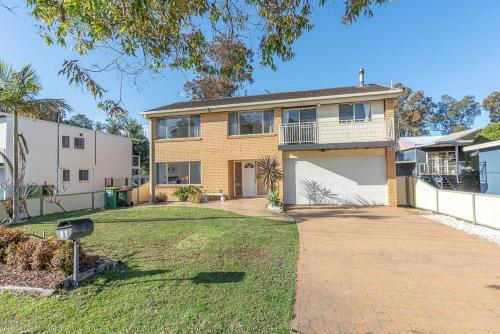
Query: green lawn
[188,270]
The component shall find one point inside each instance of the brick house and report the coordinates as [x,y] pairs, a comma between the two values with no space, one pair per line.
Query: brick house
[335,146]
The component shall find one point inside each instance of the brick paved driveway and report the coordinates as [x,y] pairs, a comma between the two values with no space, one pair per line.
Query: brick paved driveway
[386,270]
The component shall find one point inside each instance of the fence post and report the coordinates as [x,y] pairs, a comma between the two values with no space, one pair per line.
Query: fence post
[474,220]
[93,201]
[437,200]
[40,191]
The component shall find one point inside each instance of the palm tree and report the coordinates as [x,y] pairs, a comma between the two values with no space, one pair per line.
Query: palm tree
[18,95]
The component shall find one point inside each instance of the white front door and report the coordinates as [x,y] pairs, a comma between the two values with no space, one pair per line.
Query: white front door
[249,181]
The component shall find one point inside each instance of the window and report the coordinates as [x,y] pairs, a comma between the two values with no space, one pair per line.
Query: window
[178,127]
[65,175]
[304,115]
[251,122]
[178,172]
[79,143]
[356,112]
[65,141]
[83,175]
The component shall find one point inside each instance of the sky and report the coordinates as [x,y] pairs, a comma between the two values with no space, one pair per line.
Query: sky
[441,47]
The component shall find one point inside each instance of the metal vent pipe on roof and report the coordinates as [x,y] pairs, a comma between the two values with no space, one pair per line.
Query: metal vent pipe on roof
[361,77]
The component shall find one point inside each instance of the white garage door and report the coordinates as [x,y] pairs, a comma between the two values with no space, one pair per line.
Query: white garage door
[341,180]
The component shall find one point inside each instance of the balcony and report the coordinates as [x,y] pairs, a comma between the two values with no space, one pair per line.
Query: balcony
[440,167]
[333,132]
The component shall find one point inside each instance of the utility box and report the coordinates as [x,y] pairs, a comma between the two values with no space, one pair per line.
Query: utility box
[74,229]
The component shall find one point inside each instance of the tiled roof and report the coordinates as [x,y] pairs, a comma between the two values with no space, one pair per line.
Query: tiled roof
[274,97]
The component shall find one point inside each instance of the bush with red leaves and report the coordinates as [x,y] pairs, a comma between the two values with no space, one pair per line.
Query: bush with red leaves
[44,252]
[20,254]
[63,258]
[8,237]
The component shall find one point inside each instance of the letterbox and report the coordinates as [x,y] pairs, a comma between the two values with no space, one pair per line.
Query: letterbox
[74,229]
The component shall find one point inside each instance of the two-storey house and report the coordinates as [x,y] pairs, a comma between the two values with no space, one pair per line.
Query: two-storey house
[66,157]
[335,146]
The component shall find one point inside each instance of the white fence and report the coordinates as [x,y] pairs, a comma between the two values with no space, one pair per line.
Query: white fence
[39,206]
[473,207]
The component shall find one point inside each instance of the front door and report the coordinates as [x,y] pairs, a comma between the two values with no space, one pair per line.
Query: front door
[249,181]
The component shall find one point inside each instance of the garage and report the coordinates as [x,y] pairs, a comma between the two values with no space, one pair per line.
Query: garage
[338,178]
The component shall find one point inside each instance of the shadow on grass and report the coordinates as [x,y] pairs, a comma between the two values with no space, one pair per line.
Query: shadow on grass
[118,278]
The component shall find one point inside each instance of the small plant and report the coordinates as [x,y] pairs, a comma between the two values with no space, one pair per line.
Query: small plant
[273,198]
[268,173]
[198,197]
[44,252]
[183,192]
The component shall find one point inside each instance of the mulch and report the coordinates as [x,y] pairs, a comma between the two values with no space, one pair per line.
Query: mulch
[10,275]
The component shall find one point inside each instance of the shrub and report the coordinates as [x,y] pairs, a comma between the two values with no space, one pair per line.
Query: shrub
[44,252]
[198,197]
[183,192]
[20,254]
[63,258]
[489,133]
[10,236]
[273,198]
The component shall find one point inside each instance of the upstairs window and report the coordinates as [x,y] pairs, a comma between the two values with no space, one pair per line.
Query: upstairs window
[178,127]
[303,115]
[355,112]
[65,142]
[79,143]
[250,122]
[83,175]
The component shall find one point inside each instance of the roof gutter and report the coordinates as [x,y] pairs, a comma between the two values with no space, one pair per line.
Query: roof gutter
[321,99]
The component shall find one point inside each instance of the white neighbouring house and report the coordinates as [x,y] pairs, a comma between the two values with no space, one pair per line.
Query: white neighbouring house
[66,156]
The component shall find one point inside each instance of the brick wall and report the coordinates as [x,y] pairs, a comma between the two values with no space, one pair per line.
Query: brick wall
[216,151]
[390,159]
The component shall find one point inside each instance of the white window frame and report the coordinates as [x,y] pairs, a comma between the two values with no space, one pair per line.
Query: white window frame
[299,109]
[262,122]
[354,113]
[189,127]
[179,184]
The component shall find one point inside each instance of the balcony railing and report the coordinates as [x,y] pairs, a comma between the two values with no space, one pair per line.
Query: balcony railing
[330,132]
[440,167]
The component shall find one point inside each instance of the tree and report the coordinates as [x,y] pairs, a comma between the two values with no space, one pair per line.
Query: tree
[489,133]
[451,115]
[133,129]
[114,125]
[145,36]
[81,120]
[226,71]
[491,103]
[18,95]
[412,110]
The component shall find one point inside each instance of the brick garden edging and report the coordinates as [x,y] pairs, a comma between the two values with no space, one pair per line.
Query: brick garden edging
[103,264]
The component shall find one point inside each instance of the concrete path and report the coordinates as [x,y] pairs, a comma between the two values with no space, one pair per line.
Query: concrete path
[386,270]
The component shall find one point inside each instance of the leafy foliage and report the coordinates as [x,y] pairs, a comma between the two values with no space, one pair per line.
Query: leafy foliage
[273,198]
[470,174]
[19,255]
[491,103]
[268,172]
[148,36]
[10,236]
[489,133]
[451,115]
[183,192]
[412,109]
[80,120]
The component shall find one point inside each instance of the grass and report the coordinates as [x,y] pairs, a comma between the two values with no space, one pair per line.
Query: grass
[188,270]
